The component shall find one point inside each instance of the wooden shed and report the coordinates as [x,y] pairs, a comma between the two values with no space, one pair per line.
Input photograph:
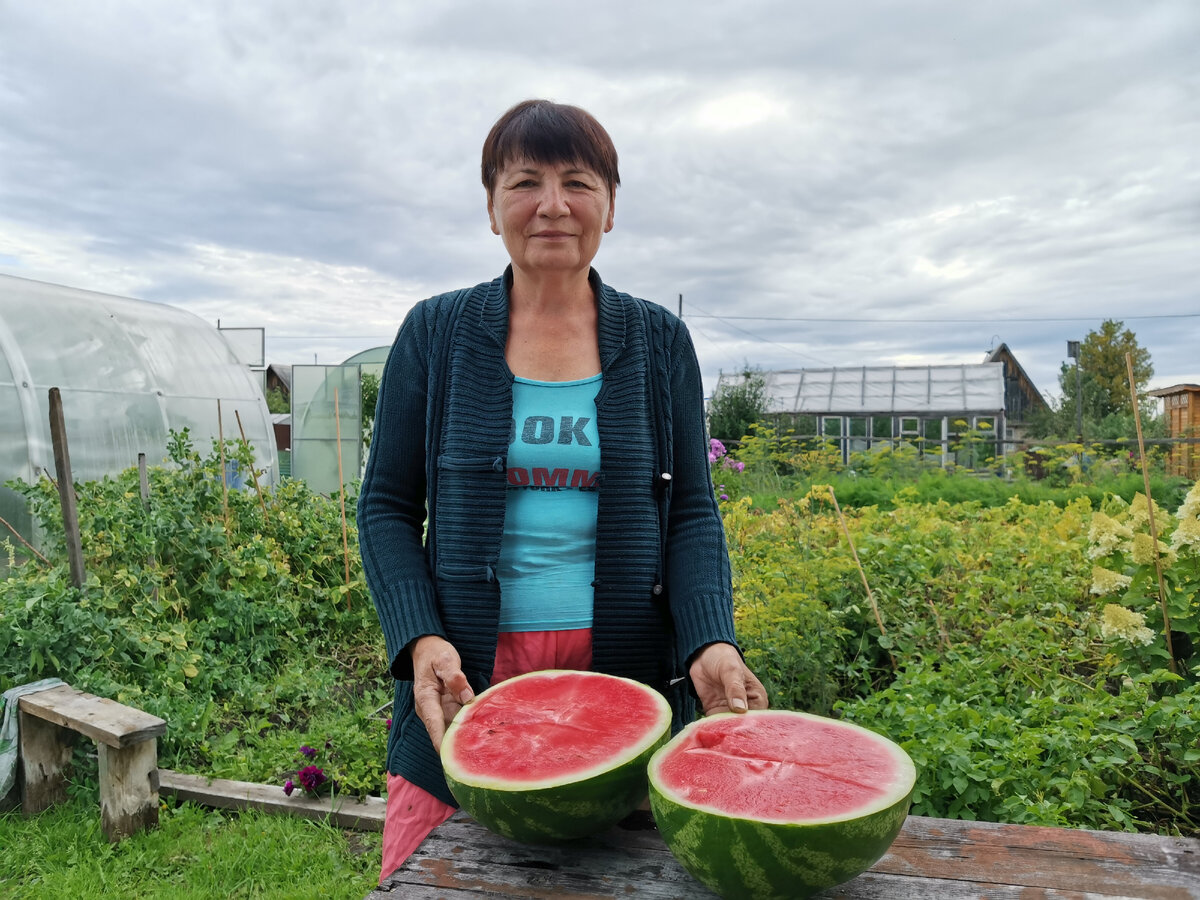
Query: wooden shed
[1181,403]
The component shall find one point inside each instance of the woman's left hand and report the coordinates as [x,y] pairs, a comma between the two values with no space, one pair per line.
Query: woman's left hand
[724,683]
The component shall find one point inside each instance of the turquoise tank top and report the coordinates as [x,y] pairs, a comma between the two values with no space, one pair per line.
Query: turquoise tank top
[548,552]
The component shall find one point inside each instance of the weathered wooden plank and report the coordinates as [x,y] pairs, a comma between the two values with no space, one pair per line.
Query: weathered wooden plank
[932,858]
[461,855]
[128,788]
[45,753]
[1109,864]
[345,812]
[101,719]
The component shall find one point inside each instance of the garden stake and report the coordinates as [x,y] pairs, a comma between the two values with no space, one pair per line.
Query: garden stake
[66,489]
[144,489]
[28,545]
[337,424]
[224,484]
[253,471]
[862,574]
[1162,590]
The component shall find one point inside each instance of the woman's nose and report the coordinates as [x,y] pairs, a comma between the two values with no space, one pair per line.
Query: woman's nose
[553,201]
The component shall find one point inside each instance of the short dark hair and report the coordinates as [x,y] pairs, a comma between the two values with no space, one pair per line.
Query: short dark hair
[546,132]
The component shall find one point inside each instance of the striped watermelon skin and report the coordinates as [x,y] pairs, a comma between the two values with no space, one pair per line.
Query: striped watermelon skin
[558,807]
[564,812]
[743,857]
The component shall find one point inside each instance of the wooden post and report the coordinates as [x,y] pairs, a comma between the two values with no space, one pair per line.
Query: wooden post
[224,474]
[128,788]
[66,488]
[337,424]
[45,757]
[1158,569]
[144,487]
[144,481]
[253,472]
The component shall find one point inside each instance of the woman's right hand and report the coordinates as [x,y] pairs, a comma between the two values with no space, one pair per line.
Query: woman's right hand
[440,688]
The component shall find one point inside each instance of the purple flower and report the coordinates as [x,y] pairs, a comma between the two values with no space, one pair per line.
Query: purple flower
[311,778]
[389,725]
[289,787]
[724,496]
[307,751]
[715,450]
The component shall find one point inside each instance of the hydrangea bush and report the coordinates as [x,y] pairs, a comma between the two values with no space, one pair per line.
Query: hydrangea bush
[1126,559]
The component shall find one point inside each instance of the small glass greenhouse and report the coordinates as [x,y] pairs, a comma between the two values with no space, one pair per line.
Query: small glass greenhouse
[129,373]
[865,407]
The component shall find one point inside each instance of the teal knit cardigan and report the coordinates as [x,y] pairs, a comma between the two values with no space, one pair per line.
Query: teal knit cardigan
[662,582]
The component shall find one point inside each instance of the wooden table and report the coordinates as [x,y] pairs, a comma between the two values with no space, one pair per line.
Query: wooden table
[932,858]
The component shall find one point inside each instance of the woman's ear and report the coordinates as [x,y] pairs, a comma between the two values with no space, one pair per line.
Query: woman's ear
[492,214]
[612,208]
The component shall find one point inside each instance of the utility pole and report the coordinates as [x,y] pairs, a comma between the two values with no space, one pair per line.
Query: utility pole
[681,306]
[1073,353]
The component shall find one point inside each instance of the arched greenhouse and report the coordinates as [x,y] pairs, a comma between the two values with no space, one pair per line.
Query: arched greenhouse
[129,372]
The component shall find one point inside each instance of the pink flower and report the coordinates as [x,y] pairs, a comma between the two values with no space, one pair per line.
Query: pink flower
[289,787]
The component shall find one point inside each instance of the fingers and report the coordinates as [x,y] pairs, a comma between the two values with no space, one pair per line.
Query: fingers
[723,682]
[440,688]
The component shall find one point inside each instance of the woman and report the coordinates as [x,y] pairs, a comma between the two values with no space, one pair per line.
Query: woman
[538,492]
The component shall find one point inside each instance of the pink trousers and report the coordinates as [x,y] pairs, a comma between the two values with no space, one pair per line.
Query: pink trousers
[413,812]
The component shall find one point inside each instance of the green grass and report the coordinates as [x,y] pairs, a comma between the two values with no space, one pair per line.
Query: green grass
[193,853]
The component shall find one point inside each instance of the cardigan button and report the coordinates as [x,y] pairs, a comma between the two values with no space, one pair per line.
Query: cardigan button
[498,464]
[657,590]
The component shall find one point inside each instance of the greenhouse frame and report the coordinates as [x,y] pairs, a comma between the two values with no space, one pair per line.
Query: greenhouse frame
[129,373]
[860,408]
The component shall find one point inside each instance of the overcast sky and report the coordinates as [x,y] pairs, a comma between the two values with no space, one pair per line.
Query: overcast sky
[825,184]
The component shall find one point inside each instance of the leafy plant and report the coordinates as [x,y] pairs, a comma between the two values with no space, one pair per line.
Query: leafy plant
[736,405]
[1154,577]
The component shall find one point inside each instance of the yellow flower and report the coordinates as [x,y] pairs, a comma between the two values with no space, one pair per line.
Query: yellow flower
[1143,551]
[1106,581]
[1106,535]
[1126,625]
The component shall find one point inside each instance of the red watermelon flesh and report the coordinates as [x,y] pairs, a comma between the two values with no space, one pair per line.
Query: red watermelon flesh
[767,768]
[773,804]
[546,728]
[554,755]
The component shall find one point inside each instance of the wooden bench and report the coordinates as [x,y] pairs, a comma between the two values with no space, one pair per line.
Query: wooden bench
[127,749]
[932,859]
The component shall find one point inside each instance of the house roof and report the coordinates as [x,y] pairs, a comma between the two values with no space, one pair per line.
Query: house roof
[283,373]
[1174,389]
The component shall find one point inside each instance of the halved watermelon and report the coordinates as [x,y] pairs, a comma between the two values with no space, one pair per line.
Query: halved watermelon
[772,803]
[554,755]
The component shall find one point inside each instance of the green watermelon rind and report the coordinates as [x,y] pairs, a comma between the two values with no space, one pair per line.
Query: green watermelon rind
[762,860]
[557,811]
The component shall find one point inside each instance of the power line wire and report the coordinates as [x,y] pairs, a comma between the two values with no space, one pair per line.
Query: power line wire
[939,321]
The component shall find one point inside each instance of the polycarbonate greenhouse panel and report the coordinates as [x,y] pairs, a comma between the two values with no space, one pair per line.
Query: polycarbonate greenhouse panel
[129,373]
[876,390]
[326,405]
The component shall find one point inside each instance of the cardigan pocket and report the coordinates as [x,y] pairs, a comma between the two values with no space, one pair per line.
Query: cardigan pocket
[492,463]
[465,573]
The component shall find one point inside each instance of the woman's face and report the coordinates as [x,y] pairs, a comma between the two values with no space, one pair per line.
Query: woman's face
[550,216]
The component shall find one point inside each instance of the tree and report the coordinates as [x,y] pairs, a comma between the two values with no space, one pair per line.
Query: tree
[1099,388]
[277,402]
[735,406]
[1103,371]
